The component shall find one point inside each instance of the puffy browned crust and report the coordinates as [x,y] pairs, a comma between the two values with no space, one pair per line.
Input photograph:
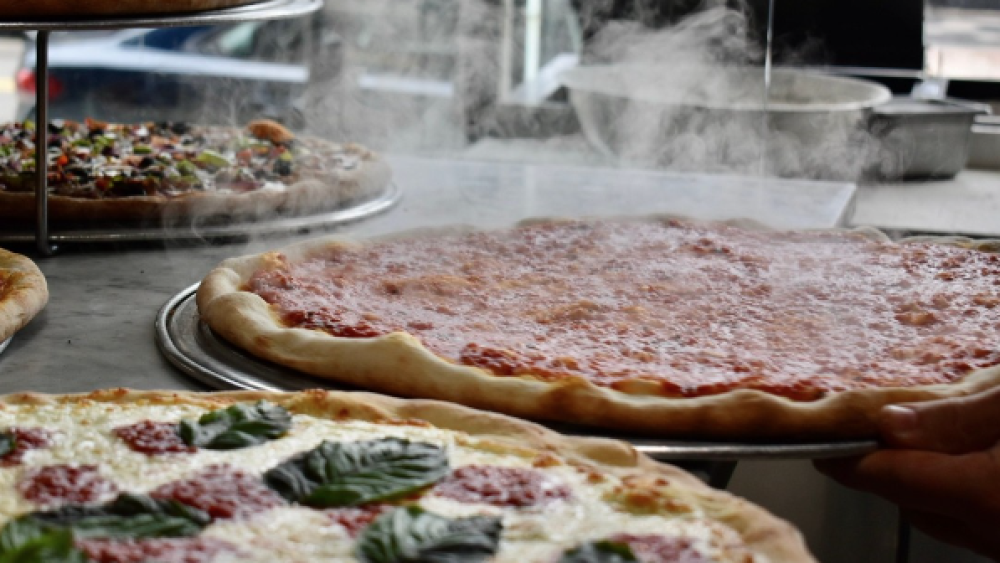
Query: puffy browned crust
[23,292]
[764,533]
[62,8]
[305,196]
[398,364]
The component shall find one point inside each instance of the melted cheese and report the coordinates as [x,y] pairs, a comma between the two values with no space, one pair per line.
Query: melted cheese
[83,435]
[654,309]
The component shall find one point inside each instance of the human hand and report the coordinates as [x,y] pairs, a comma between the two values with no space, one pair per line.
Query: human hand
[942,468]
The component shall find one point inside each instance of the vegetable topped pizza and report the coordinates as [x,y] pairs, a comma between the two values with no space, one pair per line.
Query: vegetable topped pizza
[99,170]
[135,477]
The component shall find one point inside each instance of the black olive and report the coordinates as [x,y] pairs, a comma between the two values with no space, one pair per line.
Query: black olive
[282,168]
[259,174]
[108,151]
[146,162]
[130,187]
[55,141]
[78,171]
[180,128]
[56,125]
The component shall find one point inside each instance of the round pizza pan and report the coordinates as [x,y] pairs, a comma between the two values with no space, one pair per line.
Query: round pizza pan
[222,230]
[265,10]
[4,344]
[194,349]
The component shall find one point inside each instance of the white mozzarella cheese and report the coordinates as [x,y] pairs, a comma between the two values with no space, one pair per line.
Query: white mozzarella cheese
[83,434]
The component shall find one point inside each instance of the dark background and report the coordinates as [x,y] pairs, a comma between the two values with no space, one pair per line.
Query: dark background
[864,33]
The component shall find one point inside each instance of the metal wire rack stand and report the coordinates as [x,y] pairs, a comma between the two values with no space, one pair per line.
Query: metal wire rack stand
[268,10]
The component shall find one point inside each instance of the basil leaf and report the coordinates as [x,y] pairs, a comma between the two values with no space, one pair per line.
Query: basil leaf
[599,552]
[239,426]
[353,473]
[413,535]
[128,516]
[24,540]
[7,443]
[19,531]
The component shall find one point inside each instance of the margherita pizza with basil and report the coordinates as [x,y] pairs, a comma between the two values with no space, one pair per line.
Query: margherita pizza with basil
[171,171]
[136,477]
[660,326]
[23,292]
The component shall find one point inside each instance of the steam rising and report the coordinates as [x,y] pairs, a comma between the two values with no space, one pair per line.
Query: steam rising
[432,77]
[671,110]
[690,98]
[714,36]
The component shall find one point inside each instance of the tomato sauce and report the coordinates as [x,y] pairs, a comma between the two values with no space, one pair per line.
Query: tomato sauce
[153,438]
[25,440]
[222,492]
[354,519]
[161,550]
[501,486]
[661,549]
[689,310]
[65,484]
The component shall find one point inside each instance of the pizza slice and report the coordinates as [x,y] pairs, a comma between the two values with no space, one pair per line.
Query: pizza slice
[23,292]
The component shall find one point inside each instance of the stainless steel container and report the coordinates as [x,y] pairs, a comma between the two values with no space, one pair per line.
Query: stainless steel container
[923,139]
[984,150]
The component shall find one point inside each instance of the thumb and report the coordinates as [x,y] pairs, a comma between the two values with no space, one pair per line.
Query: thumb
[954,426]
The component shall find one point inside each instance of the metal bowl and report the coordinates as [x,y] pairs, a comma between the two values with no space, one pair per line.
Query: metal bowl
[717,119]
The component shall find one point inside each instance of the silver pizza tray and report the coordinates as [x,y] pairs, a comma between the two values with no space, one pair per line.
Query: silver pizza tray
[263,10]
[194,349]
[5,344]
[110,233]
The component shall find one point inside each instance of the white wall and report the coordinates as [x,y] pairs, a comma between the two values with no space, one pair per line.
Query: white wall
[10,54]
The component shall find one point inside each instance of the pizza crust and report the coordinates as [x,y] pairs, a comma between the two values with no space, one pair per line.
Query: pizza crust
[62,8]
[764,533]
[398,364]
[23,292]
[368,179]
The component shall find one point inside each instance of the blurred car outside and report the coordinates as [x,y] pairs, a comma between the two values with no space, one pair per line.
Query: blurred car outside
[209,74]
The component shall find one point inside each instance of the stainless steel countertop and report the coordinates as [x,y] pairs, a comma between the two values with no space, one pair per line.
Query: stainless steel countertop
[968,204]
[97,330]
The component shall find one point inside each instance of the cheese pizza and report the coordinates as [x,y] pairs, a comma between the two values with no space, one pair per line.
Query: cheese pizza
[667,327]
[130,477]
[23,292]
